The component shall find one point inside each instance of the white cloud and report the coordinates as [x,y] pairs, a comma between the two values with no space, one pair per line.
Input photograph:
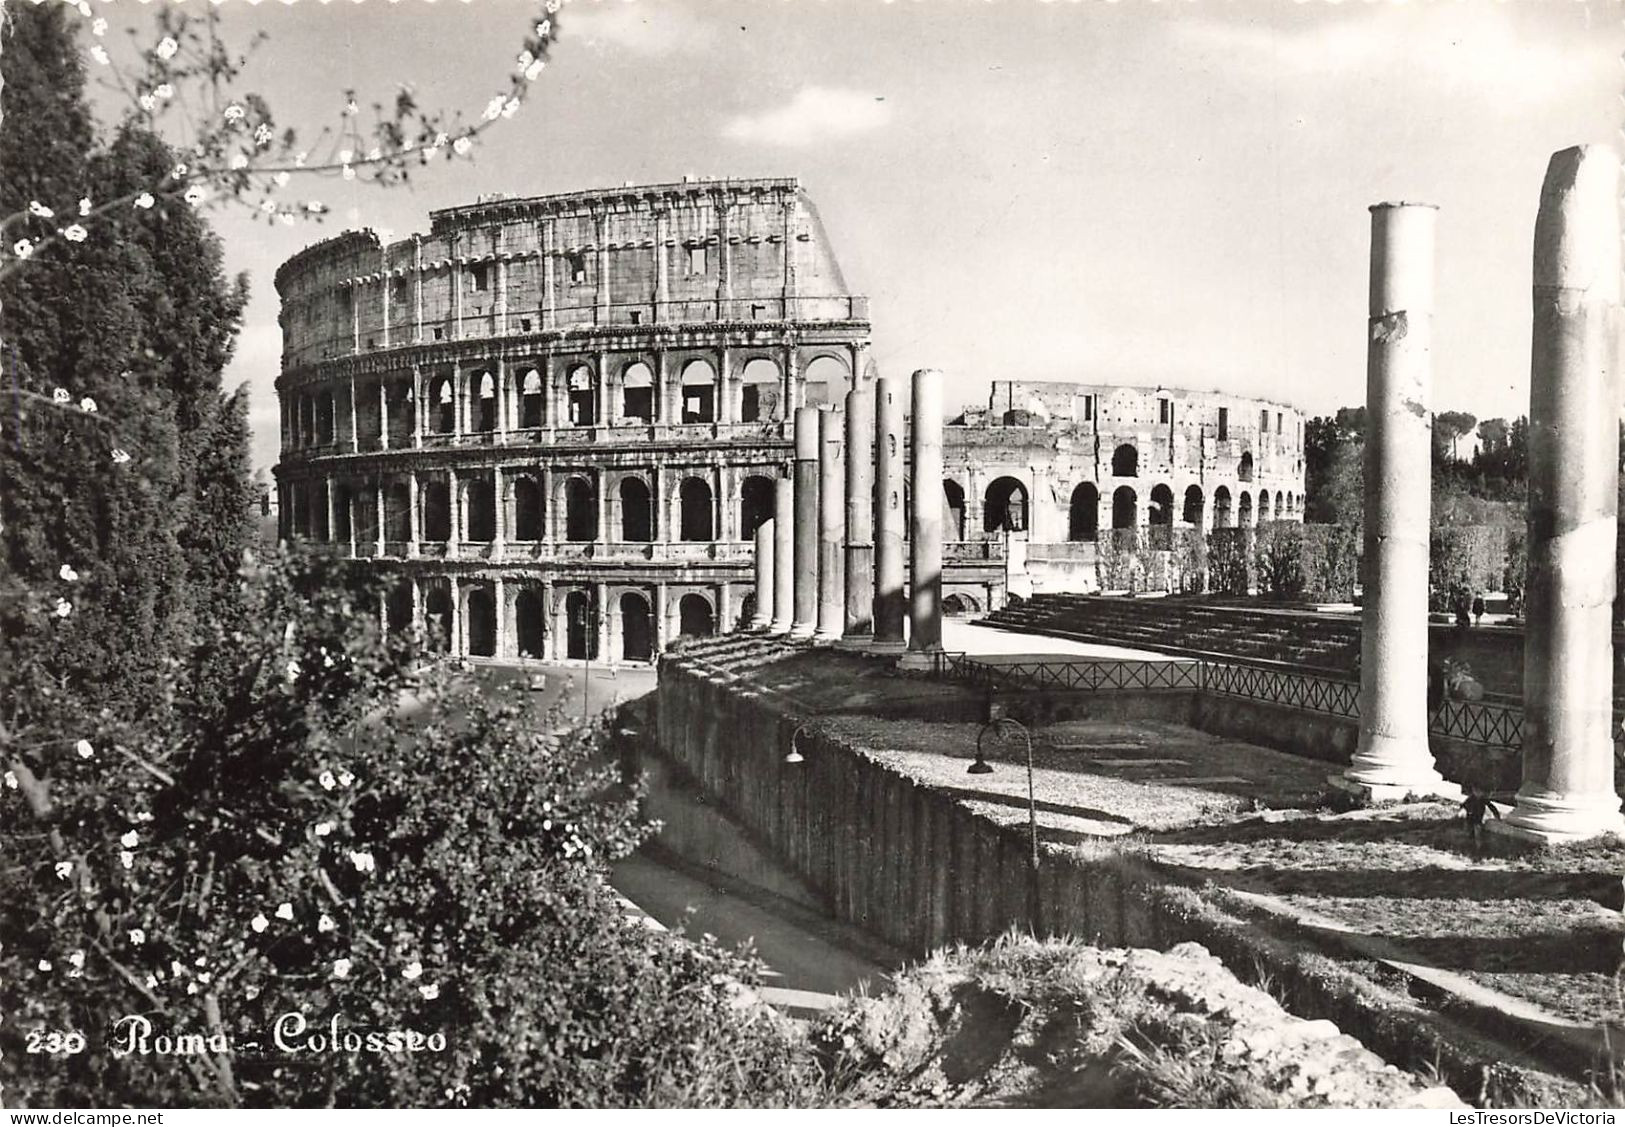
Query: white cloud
[816,113]
[646,27]
[1468,48]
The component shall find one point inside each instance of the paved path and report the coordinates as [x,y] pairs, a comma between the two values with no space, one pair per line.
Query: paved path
[978,641]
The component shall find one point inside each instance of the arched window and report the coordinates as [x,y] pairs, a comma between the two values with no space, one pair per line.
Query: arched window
[1004,507]
[953,509]
[1162,506]
[694,502]
[637,513]
[582,390]
[529,618]
[436,510]
[437,616]
[1221,507]
[1244,468]
[824,382]
[527,508]
[481,607]
[1244,510]
[365,510]
[694,617]
[485,418]
[1193,506]
[369,415]
[532,399]
[638,392]
[1083,515]
[755,504]
[1126,461]
[759,393]
[699,392]
[399,411]
[637,633]
[444,398]
[480,499]
[398,608]
[398,512]
[1266,507]
[1125,508]
[580,627]
[580,511]
[959,605]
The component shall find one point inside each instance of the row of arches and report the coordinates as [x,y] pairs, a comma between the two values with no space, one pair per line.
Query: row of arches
[1126,463]
[1084,510]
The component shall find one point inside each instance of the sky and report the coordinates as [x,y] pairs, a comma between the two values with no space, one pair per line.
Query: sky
[1129,192]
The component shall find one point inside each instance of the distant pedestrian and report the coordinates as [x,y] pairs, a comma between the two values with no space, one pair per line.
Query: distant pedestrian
[1478,609]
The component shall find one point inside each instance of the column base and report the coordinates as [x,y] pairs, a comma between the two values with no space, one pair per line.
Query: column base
[920,661]
[1436,787]
[859,642]
[757,625]
[777,627]
[802,632]
[889,647]
[825,638]
[1385,768]
[1554,819]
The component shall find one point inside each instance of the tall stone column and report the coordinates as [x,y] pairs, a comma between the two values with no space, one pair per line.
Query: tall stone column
[925,533]
[762,617]
[831,524]
[888,517]
[806,524]
[1392,758]
[1574,388]
[784,564]
[859,626]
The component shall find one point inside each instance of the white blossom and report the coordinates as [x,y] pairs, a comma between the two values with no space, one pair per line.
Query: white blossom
[195,195]
[510,107]
[178,172]
[324,828]
[282,179]
[120,456]
[363,861]
[345,778]
[493,108]
[287,218]
[461,145]
[127,859]
[11,784]
[191,988]
[175,968]
[239,161]
[77,959]
[235,112]
[84,205]
[412,971]
[284,911]
[341,969]
[152,982]
[326,923]
[99,53]
[251,992]
[64,870]
[163,91]
[430,992]
[84,749]
[60,395]
[259,923]
[45,964]
[349,173]
[263,134]
[327,780]
[137,936]
[67,574]
[167,47]
[292,673]
[351,109]
[144,200]
[74,233]
[346,156]
[299,161]
[22,248]
[268,206]
[148,102]
[534,70]
[98,27]
[87,405]
[130,840]
[375,153]
[39,209]
[63,608]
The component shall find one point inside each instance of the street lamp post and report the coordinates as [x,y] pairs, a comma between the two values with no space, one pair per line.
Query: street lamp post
[982,767]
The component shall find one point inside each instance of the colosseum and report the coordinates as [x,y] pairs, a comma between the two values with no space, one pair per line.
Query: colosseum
[558,420]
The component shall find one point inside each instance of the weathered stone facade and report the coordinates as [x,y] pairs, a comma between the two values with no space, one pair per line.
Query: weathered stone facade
[560,420]
[1047,469]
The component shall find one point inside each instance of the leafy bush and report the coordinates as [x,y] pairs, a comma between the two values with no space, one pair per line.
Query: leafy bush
[1230,561]
[1463,561]
[1316,562]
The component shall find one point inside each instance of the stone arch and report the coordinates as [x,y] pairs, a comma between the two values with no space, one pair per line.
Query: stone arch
[437,615]
[480,499]
[530,622]
[397,512]
[694,510]
[1125,508]
[760,391]
[1194,503]
[1244,468]
[485,401]
[443,404]
[580,627]
[953,509]
[528,511]
[1126,461]
[1266,507]
[581,395]
[1244,510]
[824,379]
[436,502]
[755,504]
[398,607]
[637,628]
[1083,514]
[637,510]
[638,392]
[1004,506]
[1162,505]
[400,410]
[370,420]
[532,399]
[698,388]
[1221,507]
[580,510]
[959,604]
[480,607]
[695,616]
